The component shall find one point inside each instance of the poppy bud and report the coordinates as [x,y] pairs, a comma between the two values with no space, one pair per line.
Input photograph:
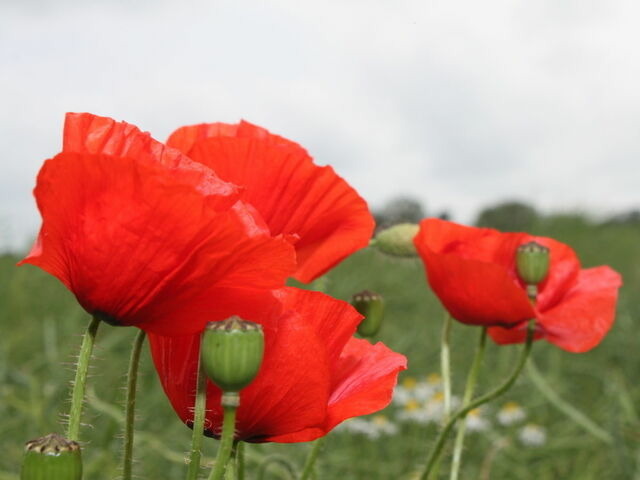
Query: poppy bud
[397,240]
[51,457]
[371,306]
[532,262]
[231,352]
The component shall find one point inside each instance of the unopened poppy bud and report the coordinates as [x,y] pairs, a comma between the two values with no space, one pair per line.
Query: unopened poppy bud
[231,352]
[397,240]
[51,457]
[532,262]
[371,306]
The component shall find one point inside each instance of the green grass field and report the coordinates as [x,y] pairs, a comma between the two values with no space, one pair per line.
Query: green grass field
[42,323]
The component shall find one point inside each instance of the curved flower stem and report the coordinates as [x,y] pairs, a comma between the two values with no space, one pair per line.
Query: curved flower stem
[278,459]
[198,424]
[80,381]
[240,459]
[130,406]
[468,393]
[307,470]
[445,365]
[226,439]
[444,433]
[565,407]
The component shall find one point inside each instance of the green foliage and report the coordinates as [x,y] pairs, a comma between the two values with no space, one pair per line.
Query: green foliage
[42,323]
[399,210]
[510,216]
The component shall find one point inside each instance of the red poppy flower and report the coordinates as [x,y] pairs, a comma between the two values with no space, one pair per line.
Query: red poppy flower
[314,373]
[325,217]
[144,236]
[472,271]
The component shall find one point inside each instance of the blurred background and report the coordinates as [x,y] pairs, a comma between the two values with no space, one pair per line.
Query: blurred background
[518,116]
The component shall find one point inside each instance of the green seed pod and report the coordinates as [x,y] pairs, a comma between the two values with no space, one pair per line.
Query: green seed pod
[371,306]
[532,262]
[397,240]
[51,457]
[231,353]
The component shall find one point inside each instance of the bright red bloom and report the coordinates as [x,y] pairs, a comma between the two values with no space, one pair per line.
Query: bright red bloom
[312,205]
[314,374]
[473,272]
[144,236]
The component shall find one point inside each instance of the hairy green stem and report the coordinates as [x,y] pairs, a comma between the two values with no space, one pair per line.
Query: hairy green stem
[444,433]
[80,381]
[468,394]
[445,365]
[230,472]
[307,470]
[198,424]
[565,407]
[130,406]
[240,459]
[226,441]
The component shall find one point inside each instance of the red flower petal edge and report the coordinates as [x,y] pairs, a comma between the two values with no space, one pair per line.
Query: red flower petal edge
[583,317]
[297,198]
[314,374]
[152,244]
[472,270]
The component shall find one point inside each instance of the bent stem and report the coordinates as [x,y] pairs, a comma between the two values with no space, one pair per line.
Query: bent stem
[565,407]
[230,405]
[307,470]
[130,406]
[80,381]
[279,460]
[468,393]
[198,424]
[444,433]
[445,365]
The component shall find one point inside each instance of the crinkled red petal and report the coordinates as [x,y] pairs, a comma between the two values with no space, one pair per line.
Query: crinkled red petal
[312,377]
[185,138]
[586,313]
[91,134]
[459,263]
[138,244]
[295,196]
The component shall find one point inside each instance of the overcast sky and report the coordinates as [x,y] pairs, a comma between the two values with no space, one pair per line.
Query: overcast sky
[460,104]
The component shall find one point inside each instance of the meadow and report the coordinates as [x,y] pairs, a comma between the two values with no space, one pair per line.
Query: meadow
[42,323]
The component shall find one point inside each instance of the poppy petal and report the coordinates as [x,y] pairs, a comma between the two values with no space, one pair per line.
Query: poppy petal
[184,138]
[335,321]
[92,134]
[313,376]
[581,319]
[472,288]
[366,377]
[564,268]
[132,240]
[290,392]
[295,196]
[586,313]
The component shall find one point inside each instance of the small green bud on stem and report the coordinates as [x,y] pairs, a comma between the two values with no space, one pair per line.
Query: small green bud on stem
[532,265]
[52,457]
[231,352]
[397,240]
[371,306]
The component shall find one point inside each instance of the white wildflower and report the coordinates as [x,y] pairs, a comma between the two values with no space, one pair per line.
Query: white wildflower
[511,413]
[533,435]
[476,422]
